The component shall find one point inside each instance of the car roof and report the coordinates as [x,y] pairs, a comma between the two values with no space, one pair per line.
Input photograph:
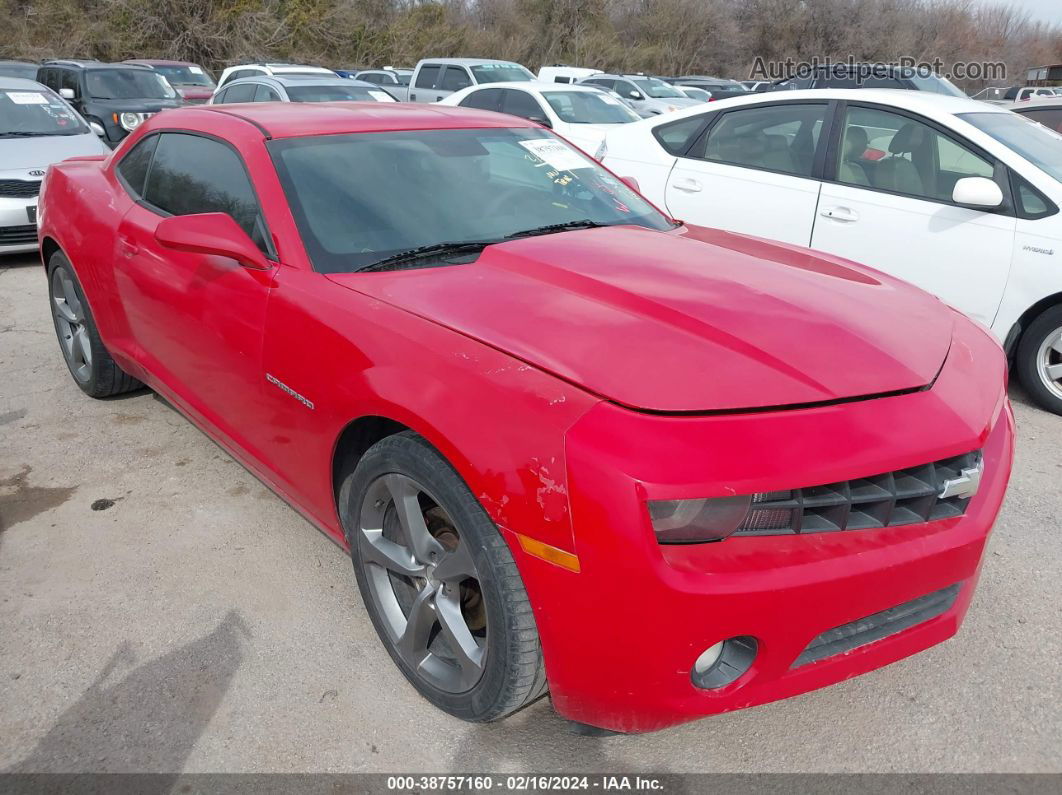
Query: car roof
[926,102]
[301,80]
[294,120]
[20,83]
[20,63]
[535,85]
[158,62]
[467,61]
[96,64]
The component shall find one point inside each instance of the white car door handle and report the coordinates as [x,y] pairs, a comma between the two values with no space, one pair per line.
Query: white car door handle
[839,213]
[687,185]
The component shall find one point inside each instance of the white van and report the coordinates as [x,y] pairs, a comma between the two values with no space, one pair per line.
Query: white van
[559,73]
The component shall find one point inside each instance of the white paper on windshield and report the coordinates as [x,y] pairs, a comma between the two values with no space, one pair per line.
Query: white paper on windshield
[28,97]
[556,154]
[381,96]
[195,70]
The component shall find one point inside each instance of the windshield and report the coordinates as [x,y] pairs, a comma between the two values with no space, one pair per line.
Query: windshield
[127,84]
[1038,144]
[500,73]
[360,198]
[696,93]
[36,113]
[186,75]
[27,71]
[403,77]
[333,93]
[657,89]
[589,107]
[934,83]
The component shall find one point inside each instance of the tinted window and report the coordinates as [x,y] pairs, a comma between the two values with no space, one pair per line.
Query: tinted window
[338,93]
[359,198]
[775,138]
[427,76]
[50,78]
[1032,203]
[133,168]
[370,77]
[1049,117]
[180,75]
[263,93]
[241,73]
[601,81]
[485,99]
[69,80]
[899,154]
[677,136]
[455,78]
[191,174]
[522,104]
[244,92]
[501,73]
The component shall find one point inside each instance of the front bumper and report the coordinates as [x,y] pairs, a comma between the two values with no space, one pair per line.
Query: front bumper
[621,636]
[18,225]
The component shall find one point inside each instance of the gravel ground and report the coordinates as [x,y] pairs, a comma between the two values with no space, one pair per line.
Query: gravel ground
[160,610]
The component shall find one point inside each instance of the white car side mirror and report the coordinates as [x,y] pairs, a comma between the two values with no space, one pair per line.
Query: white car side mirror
[66,93]
[979,192]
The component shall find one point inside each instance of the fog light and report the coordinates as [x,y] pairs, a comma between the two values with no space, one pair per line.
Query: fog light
[723,663]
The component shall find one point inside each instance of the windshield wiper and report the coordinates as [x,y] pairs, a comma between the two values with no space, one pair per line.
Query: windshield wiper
[23,134]
[431,251]
[549,229]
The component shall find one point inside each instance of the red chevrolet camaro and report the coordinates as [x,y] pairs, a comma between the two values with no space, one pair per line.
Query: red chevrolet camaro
[572,445]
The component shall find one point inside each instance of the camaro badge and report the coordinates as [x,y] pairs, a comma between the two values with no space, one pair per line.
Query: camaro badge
[284,387]
[966,484]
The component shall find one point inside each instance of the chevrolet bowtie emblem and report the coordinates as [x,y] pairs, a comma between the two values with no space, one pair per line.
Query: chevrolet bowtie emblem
[964,486]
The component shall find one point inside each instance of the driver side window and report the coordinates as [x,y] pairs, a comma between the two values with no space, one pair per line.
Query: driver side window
[780,138]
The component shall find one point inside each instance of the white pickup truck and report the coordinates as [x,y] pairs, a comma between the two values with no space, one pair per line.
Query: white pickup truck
[437,78]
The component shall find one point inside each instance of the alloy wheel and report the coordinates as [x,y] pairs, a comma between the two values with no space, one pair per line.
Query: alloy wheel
[69,313]
[424,581]
[1049,362]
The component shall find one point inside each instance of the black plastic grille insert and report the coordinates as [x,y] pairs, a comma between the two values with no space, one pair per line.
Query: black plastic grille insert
[11,235]
[903,497]
[19,188]
[879,625]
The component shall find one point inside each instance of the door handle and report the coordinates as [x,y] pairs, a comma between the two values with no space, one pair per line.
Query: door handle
[687,185]
[846,214]
[127,247]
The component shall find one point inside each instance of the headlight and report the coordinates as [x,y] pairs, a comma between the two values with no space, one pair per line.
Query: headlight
[601,151]
[692,521]
[130,121]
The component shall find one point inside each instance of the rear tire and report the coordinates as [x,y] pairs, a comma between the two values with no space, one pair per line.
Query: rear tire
[89,362]
[447,602]
[1039,360]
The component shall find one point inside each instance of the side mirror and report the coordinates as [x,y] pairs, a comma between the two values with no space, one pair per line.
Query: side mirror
[66,93]
[541,120]
[977,192]
[97,128]
[635,94]
[211,233]
[631,183]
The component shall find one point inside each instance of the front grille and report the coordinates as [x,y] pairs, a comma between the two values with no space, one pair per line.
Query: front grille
[903,497]
[879,625]
[12,235]
[19,188]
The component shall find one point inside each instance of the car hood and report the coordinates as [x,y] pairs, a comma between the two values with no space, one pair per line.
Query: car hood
[136,105]
[689,321]
[193,91]
[673,102]
[20,155]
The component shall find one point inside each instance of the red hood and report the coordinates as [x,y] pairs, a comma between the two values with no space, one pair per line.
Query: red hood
[194,92]
[697,320]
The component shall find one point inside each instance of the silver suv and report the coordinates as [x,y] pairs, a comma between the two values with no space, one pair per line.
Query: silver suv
[649,96]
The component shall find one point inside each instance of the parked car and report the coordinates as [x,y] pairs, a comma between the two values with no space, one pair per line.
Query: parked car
[718,87]
[37,128]
[194,83]
[870,75]
[388,77]
[299,88]
[698,94]
[756,85]
[1046,111]
[561,73]
[580,114]
[23,69]
[470,271]
[649,96]
[115,96]
[436,78]
[954,195]
[1013,94]
[271,70]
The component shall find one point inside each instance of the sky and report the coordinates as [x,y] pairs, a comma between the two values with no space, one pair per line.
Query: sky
[1041,10]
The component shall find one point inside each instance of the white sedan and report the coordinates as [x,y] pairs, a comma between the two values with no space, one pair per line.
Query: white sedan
[957,196]
[581,114]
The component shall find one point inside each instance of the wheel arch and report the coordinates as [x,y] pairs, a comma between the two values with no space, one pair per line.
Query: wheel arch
[49,245]
[1010,345]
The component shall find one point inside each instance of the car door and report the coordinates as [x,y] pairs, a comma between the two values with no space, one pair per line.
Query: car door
[264,93]
[517,102]
[196,320]
[887,203]
[241,92]
[454,78]
[753,171]
[423,88]
[483,99]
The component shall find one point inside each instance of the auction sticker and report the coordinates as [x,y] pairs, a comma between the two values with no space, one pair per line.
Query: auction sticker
[27,98]
[556,154]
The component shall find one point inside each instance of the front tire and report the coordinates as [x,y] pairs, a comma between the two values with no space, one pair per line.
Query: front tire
[1039,360]
[440,583]
[88,360]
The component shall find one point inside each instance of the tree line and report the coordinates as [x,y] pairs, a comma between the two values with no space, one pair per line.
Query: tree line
[722,37]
